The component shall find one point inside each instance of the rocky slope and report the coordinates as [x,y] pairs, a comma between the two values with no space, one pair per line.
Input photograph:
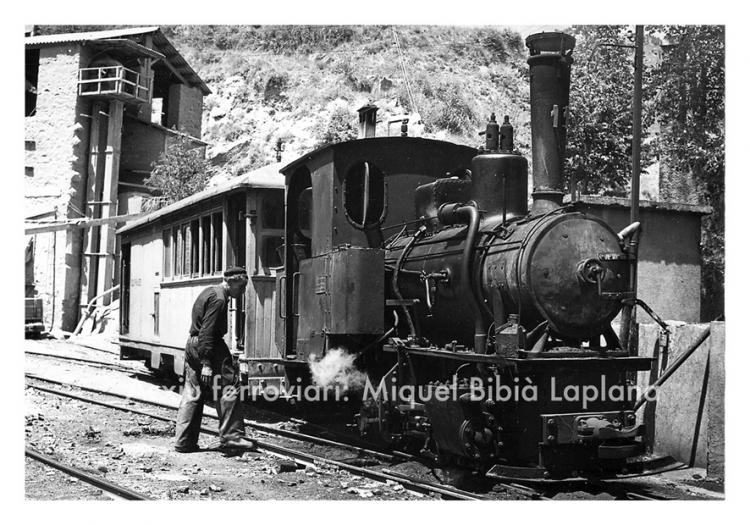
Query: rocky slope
[303,84]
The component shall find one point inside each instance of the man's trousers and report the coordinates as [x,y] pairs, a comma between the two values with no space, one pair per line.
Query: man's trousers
[194,394]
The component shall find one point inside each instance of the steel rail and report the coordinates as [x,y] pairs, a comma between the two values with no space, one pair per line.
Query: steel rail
[424,487]
[299,436]
[96,481]
[91,362]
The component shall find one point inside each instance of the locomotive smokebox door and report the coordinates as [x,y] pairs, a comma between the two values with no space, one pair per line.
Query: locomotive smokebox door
[357,285]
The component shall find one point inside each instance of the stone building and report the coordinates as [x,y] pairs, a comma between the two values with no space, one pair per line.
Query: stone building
[100,109]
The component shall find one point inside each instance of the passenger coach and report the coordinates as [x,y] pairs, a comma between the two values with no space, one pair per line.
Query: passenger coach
[170,255]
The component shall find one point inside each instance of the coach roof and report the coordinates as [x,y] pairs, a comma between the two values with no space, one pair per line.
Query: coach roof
[267,177]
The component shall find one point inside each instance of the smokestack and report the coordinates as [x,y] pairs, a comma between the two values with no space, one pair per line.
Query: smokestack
[368,115]
[549,68]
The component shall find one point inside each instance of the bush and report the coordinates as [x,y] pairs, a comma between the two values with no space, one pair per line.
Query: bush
[340,127]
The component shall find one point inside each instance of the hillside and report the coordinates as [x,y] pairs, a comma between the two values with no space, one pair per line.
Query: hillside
[303,84]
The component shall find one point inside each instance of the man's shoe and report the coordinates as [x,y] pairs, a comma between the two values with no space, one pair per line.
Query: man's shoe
[187,449]
[239,444]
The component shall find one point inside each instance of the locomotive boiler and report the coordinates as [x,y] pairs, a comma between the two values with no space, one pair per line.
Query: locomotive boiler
[424,259]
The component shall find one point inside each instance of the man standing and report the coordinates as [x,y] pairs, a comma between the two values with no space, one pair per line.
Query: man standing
[210,370]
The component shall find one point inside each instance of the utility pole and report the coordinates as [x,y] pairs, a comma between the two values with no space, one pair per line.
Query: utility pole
[628,318]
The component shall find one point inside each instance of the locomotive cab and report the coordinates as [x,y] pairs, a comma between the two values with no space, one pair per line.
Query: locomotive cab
[361,192]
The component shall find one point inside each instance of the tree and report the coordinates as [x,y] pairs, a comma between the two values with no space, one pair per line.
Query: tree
[690,109]
[180,171]
[600,130]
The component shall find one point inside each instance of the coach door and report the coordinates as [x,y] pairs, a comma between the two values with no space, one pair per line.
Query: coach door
[235,211]
[266,223]
[125,289]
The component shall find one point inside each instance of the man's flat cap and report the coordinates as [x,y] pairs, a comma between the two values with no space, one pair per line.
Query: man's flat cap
[235,271]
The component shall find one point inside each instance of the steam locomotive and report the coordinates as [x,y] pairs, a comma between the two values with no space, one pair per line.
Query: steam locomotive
[423,259]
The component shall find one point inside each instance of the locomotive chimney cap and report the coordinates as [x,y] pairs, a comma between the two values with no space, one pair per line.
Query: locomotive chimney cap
[552,42]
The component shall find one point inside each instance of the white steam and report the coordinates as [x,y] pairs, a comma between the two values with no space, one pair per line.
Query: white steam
[336,370]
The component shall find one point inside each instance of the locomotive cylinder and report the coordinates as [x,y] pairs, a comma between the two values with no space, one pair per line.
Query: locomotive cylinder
[549,68]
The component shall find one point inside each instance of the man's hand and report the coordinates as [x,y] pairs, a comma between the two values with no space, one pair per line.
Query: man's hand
[206,375]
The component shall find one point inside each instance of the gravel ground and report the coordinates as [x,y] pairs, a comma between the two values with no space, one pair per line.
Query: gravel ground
[136,451]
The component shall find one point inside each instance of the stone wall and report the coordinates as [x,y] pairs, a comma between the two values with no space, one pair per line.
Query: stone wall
[185,109]
[142,144]
[56,160]
[687,419]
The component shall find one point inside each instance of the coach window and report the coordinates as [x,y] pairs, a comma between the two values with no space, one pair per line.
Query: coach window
[272,231]
[194,248]
[186,253]
[304,212]
[178,250]
[273,210]
[206,245]
[364,194]
[167,260]
[217,244]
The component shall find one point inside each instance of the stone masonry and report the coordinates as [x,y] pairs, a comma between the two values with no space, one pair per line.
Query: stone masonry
[56,144]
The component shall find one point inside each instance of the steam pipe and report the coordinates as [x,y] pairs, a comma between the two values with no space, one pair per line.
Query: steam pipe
[455,213]
[394,280]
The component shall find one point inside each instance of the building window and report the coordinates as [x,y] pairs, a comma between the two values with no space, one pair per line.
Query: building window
[32,79]
[29,171]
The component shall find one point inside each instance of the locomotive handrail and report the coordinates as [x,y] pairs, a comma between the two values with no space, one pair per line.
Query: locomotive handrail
[295,293]
[282,293]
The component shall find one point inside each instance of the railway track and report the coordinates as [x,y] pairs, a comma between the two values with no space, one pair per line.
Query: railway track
[92,363]
[113,489]
[530,491]
[359,448]
[305,458]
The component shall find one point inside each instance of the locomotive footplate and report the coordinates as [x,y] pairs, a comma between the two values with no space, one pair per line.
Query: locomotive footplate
[588,359]
[634,467]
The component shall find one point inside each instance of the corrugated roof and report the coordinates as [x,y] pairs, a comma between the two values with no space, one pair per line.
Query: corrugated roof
[62,38]
[160,42]
[267,177]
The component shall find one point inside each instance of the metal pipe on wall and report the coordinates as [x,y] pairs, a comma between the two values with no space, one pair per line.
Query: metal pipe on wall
[628,313]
